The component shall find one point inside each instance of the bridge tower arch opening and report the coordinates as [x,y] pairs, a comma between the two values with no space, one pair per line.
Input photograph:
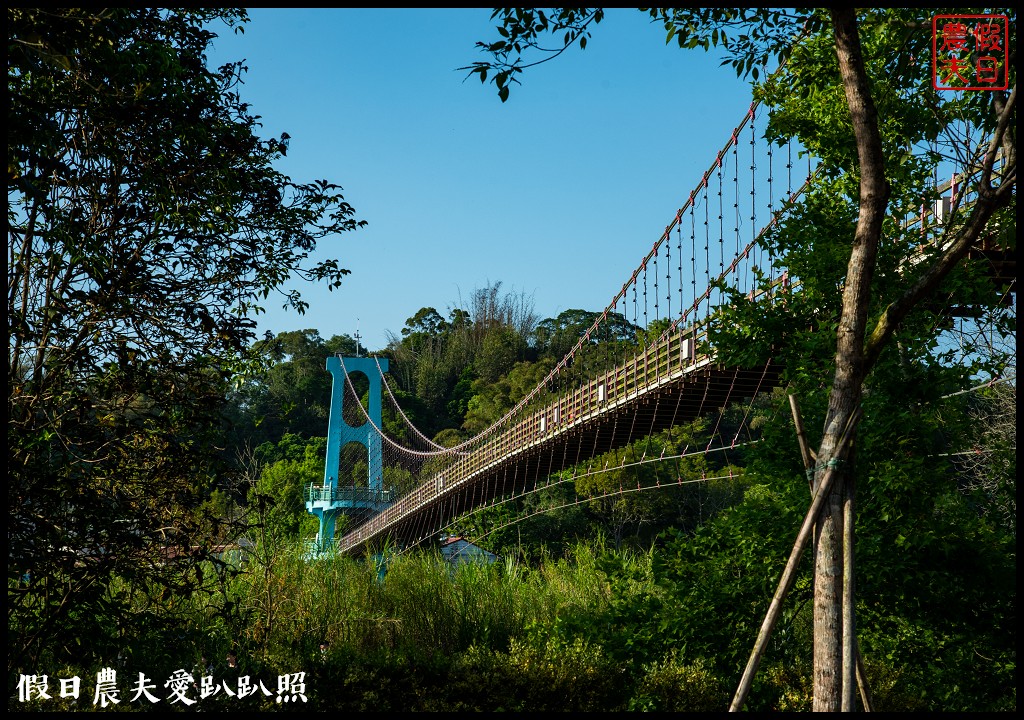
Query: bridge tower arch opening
[343,494]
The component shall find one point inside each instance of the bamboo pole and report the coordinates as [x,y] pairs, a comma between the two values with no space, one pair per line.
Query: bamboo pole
[862,681]
[805,451]
[849,616]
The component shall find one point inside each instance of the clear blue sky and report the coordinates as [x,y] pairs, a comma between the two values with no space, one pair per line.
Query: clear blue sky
[558,193]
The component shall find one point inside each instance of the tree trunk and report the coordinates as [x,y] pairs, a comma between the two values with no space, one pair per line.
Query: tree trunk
[828,624]
[849,377]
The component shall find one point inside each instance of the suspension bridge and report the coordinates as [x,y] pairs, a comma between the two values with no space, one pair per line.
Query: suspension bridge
[595,400]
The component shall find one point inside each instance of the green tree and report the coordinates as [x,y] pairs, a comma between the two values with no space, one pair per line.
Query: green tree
[851,92]
[146,224]
[290,466]
[491,401]
[502,346]
[292,393]
[555,337]
[422,359]
[438,360]
[427,323]
[989,463]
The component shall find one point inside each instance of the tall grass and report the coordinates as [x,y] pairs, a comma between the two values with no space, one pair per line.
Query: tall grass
[416,605]
[411,632]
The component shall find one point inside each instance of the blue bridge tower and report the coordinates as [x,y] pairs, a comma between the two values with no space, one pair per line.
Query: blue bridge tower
[331,499]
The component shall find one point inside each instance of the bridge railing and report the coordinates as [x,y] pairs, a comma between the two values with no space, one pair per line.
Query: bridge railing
[661,361]
[349,494]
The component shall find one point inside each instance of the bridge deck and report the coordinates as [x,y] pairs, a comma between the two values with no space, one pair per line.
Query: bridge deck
[665,385]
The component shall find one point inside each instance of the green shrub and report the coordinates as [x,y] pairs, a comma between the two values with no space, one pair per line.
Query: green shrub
[674,686]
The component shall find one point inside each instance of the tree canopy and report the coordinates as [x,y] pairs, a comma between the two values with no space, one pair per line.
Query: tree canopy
[146,224]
